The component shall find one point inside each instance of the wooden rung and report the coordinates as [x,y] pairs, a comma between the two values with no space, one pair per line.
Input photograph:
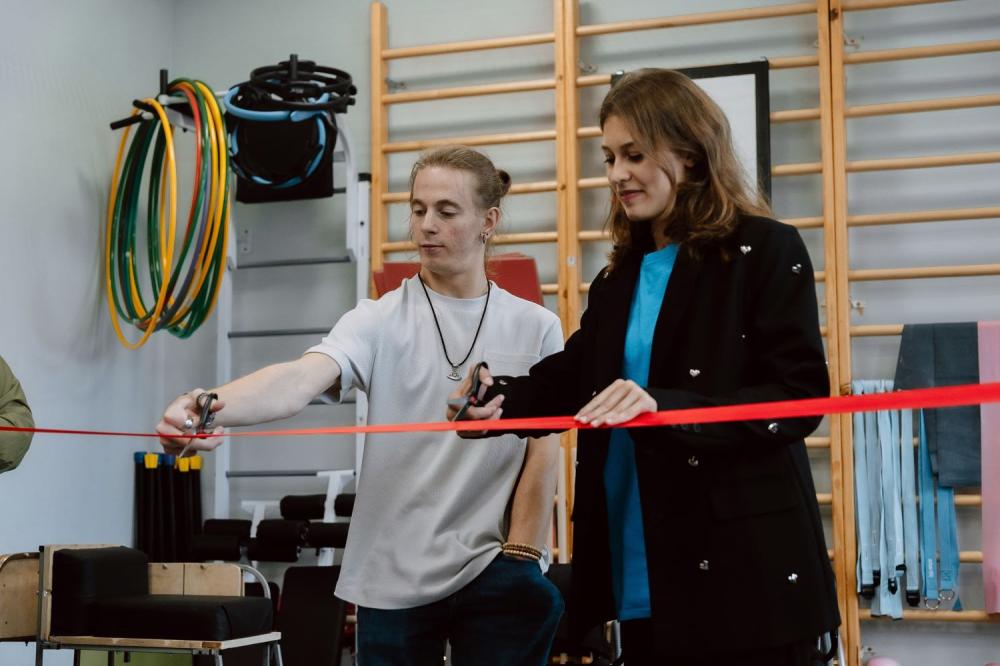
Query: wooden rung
[786,116]
[945,215]
[550,288]
[914,52]
[526,237]
[593,80]
[817,442]
[477,140]
[824,499]
[592,183]
[398,246]
[936,616]
[786,62]
[468,91]
[971,270]
[793,62]
[874,330]
[861,5]
[592,235]
[929,162]
[971,557]
[705,18]
[473,45]
[794,115]
[522,188]
[830,554]
[969,500]
[919,106]
[797,169]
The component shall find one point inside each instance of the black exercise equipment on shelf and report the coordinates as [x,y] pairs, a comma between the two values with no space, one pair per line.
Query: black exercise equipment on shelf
[282,129]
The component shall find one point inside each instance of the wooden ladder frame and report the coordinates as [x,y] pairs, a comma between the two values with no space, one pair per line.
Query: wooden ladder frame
[831,165]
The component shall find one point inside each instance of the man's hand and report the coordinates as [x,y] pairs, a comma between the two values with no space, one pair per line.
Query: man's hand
[621,401]
[181,420]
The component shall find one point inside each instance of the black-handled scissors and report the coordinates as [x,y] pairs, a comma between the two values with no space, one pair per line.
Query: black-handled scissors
[474,395]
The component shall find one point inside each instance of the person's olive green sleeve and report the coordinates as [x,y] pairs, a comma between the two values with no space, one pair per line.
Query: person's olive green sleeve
[14,411]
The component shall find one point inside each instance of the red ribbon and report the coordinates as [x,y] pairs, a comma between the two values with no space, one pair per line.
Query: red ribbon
[946,396]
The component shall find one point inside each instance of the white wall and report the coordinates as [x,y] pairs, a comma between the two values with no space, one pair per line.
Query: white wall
[80,66]
[66,70]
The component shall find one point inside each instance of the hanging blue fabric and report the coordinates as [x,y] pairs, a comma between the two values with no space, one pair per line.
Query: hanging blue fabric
[899,546]
[874,486]
[911,535]
[866,585]
[884,439]
[891,551]
[928,527]
[948,536]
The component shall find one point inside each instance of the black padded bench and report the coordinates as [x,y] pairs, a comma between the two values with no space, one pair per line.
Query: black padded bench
[111,598]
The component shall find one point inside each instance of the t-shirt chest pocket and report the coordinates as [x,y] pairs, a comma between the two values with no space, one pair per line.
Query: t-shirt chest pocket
[512,365]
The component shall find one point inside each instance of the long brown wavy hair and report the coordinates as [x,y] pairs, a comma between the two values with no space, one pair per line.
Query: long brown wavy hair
[664,109]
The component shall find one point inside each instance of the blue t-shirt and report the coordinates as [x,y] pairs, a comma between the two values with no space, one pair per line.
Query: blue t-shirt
[630,580]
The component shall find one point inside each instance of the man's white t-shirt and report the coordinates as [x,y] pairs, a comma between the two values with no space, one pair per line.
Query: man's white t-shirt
[431,509]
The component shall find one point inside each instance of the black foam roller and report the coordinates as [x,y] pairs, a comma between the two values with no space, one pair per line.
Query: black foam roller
[237,528]
[328,535]
[302,507]
[343,505]
[215,547]
[282,532]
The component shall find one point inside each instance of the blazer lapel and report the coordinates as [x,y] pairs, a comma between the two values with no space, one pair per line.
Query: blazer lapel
[680,289]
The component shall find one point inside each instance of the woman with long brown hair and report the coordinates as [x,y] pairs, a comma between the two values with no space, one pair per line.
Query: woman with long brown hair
[705,541]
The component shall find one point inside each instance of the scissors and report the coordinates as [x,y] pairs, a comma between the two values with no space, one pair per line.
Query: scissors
[474,395]
[205,421]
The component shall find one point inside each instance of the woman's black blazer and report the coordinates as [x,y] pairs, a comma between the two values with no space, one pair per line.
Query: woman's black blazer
[734,539]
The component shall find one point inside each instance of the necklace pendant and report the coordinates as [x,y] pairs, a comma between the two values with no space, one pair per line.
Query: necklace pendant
[454,376]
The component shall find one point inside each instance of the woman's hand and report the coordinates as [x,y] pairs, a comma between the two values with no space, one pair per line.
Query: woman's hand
[181,420]
[621,401]
[457,399]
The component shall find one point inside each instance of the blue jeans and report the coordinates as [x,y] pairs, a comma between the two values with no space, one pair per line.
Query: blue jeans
[507,616]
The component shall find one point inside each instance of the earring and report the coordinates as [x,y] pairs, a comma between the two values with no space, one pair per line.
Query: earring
[484,237]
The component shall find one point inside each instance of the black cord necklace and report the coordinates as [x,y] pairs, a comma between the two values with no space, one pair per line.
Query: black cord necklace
[453,375]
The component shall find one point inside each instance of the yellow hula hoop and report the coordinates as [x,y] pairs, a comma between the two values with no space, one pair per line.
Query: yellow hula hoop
[167,232]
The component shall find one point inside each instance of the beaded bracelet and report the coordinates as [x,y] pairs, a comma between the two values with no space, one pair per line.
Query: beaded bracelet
[521,550]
